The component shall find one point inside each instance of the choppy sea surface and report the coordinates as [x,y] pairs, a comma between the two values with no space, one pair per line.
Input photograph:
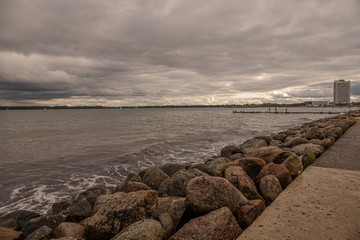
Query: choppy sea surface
[48,156]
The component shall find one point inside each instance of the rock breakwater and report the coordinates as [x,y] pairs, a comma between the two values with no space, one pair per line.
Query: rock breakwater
[216,199]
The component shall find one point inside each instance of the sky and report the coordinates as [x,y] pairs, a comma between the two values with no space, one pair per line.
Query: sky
[176,52]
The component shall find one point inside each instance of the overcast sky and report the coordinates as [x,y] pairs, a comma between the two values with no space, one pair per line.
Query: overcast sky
[120,53]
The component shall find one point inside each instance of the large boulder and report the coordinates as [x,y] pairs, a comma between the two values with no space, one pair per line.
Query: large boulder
[202,167]
[80,210]
[270,188]
[17,219]
[42,233]
[295,141]
[131,186]
[248,213]
[279,136]
[238,177]
[334,132]
[315,133]
[267,139]
[120,211]
[61,206]
[154,177]
[252,143]
[167,224]
[251,165]
[308,157]
[276,143]
[69,229]
[217,166]
[327,142]
[269,154]
[344,124]
[278,171]
[91,194]
[177,183]
[148,229]
[171,168]
[316,149]
[51,221]
[294,164]
[9,234]
[219,224]
[230,150]
[205,194]
[174,206]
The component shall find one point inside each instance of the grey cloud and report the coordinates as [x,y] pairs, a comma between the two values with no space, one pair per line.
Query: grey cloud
[176,51]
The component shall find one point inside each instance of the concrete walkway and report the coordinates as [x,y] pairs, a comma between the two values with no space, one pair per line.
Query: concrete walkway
[322,203]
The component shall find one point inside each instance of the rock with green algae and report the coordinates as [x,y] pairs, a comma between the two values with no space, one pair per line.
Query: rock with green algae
[308,157]
[294,165]
[119,211]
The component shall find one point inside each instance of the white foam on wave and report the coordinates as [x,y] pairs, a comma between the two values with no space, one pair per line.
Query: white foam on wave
[37,199]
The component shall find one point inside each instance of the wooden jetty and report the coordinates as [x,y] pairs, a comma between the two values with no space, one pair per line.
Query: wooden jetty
[287,112]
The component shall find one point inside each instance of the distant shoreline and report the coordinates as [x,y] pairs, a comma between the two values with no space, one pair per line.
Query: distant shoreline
[264,105]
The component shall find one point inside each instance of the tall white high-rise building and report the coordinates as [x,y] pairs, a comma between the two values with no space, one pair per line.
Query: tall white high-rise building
[341,91]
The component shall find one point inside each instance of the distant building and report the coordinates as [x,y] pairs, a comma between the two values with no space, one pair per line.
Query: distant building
[341,91]
[319,103]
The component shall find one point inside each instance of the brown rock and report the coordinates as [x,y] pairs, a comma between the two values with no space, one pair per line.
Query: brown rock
[51,221]
[269,154]
[316,149]
[167,224]
[8,234]
[308,157]
[148,229]
[315,133]
[294,164]
[217,166]
[172,168]
[174,206]
[42,233]
[270,188]
[280,136]
[276,143]
[154,177]
[252,143]
[228,151]
[278,171]
[69,229]
[205,194]
[327,142]
[132,177]
[177,183]
[219,224]
[267,139]
[129,186]
[238,177]
[248,213]
[295,141]
[251,165]
[334,132]
[120,211]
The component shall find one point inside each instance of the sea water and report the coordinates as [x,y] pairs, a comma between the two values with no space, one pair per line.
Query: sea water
[49,156]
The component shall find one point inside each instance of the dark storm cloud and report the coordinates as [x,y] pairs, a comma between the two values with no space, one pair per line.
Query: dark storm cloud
[173,52]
